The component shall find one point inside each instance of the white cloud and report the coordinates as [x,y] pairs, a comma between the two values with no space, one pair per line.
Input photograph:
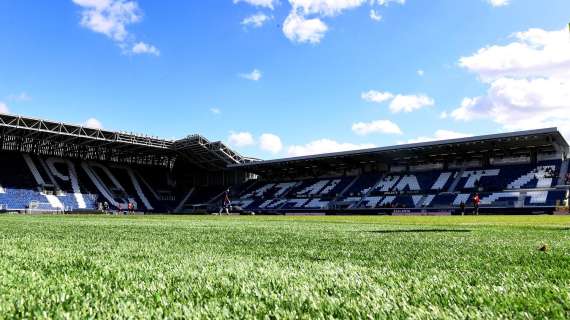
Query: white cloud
[528,79]
[498,3]
[443,115]
[298,29]
[440,135]
[259,3]
[93,124]
[254,75]
[324,146]
[378,126]
[420,72]
[141,48]
[304,24]
[324,7]
[4,108]
[111,18]
[215,111]
[376,96]
[241,139]
[256,20]
[270,142]
[387,2]
[21,97]
[521,104]
[409,103]
[399,103]
[535,53]
[374,15]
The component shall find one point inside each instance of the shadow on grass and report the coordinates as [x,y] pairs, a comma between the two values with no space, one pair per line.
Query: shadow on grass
[420,231]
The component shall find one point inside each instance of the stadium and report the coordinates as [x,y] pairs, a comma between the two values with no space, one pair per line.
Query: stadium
[285,159]
[375,233]
[57,167]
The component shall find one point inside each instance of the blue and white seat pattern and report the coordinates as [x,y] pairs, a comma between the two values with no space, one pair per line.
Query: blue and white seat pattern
[505,185]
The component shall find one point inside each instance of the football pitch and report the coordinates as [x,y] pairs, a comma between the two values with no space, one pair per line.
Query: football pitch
[284,267]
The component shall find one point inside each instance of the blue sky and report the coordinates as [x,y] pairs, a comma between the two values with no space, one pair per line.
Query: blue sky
[289,77]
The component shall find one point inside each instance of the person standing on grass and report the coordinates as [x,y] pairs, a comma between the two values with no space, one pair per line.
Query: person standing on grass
[462,207]
[476,201]
[226,203]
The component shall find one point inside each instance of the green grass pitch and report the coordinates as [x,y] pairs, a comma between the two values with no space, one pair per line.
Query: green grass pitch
[284,267]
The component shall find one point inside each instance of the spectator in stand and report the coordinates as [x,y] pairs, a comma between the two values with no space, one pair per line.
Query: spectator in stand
[476,201]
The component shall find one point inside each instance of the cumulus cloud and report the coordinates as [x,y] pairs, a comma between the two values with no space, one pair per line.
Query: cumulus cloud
[528,82]
[324,146]
[374,15]
[305,24]
[440,135]
[267,142]
[409,103]
[4,108]
[521,104]
[259,3]
[534,53]
[111,18]
[498,3]
[420,72]
[241,139]
[254,75]
[400,102]
[299,29]
[93,124]
[142,47]
[378,126]
[256,20]
[270,142]
[215,111]
[324,7]
[376,96]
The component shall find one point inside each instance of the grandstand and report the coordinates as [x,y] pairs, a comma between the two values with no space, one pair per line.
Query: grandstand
[50,166]
[518,172]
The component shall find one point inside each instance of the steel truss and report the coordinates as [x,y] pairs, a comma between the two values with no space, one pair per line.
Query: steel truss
[208,155]
[22,134]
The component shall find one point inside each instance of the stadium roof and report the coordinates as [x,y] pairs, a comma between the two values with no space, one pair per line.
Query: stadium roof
[206,154]
[45,137]
[543,140]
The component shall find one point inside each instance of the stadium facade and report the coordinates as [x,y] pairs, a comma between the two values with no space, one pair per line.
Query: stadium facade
[50,166]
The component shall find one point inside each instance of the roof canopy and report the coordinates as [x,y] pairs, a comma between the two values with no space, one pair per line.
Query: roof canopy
[505,144]
[208,155]
[45,137]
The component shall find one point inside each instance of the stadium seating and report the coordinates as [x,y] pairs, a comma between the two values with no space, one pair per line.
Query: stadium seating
[505,186]
[53,184]
[56,184]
